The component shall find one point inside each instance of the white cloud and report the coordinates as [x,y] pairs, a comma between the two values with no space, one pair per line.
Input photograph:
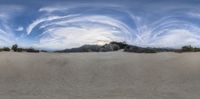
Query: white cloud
[41,20]
[73,30]
[6,36]
[73,37]
[9,11]
[20,28]
[3,16]
[83,33]
[194,14]
[68,7]
[177,38]
[52,9]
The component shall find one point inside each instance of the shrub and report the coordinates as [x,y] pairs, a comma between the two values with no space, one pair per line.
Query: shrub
[43,51]
[32,50]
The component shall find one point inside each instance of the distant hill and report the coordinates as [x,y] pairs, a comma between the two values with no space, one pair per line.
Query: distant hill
[115,46]
[112,46]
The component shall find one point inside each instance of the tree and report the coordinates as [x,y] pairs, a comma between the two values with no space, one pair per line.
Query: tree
[15,47]
[20,49]
[6,49]
[187,48]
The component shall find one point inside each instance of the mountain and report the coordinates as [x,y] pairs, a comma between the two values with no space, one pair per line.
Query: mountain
[115,46]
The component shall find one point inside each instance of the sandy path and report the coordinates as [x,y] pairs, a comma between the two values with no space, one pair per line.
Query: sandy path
[114,75]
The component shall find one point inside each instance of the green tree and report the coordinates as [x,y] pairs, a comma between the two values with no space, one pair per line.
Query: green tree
[6,49]
[188,48]
[15,47]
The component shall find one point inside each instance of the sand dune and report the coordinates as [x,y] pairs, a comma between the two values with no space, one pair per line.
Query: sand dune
[112,75]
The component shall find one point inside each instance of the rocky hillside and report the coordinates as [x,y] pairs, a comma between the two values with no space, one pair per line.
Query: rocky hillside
[115,46]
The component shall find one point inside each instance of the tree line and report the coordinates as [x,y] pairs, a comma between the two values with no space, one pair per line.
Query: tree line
[15,48]
[112,46]
[115,46]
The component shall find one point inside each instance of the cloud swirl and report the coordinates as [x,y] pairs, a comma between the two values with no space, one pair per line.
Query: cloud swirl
[60,27]
[85,27]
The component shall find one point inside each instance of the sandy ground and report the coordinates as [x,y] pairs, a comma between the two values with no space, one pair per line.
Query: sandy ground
[113,75]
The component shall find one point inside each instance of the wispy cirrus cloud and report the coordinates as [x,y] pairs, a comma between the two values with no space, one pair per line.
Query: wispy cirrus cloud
[52,9]
[20,28]
[39,21]
[73,24]
[79,28]
[75,28]
[7,34]
[9,11]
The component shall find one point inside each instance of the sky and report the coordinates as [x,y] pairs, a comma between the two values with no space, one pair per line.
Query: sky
[61,24]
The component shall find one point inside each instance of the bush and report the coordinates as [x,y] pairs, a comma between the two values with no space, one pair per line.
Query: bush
[32,50]
[43,51]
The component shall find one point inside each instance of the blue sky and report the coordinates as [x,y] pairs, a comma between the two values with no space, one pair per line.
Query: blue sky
[60,24]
